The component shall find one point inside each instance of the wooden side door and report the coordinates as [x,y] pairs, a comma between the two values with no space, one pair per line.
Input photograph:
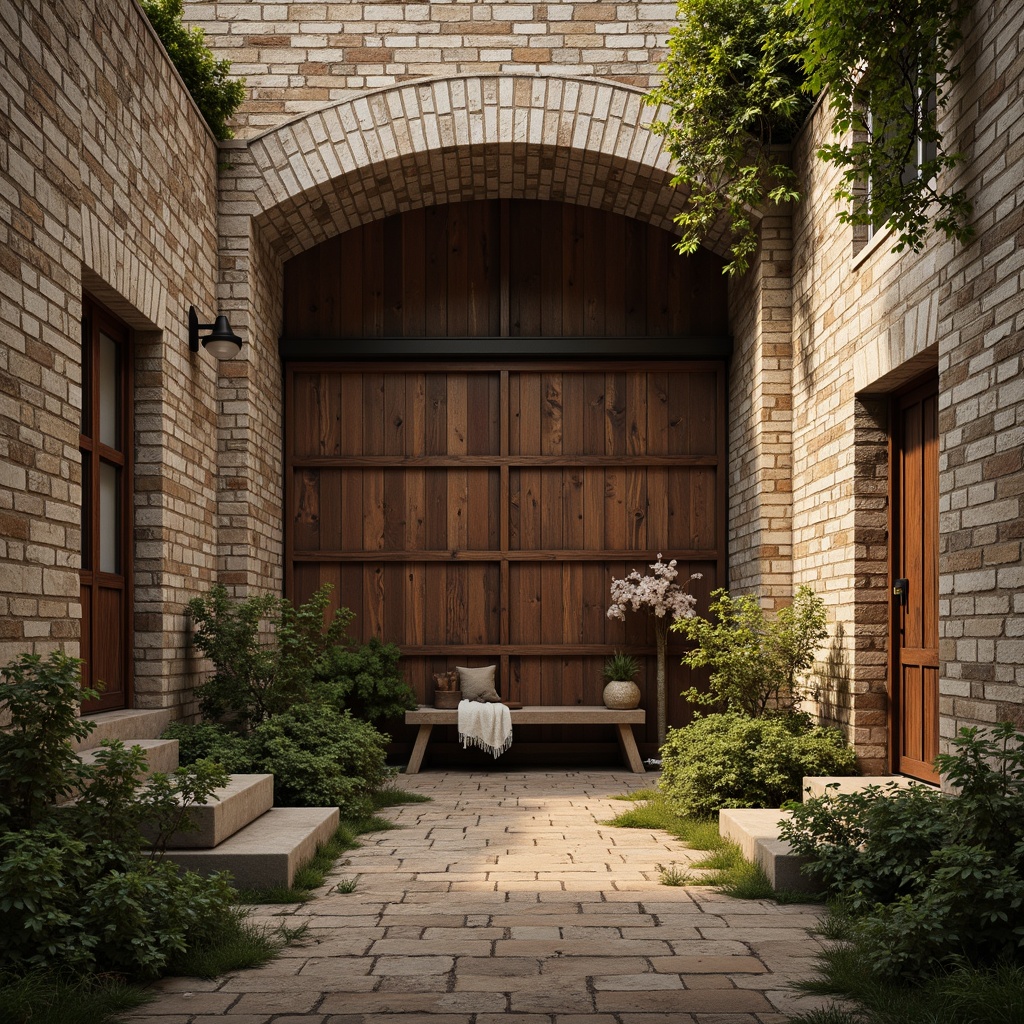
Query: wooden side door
[106,450]
[914,718]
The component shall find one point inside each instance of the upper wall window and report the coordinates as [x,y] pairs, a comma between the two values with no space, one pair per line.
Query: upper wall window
[919,152]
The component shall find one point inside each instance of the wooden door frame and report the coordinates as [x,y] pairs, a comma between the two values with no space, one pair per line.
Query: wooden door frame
[925,383]
[96,316]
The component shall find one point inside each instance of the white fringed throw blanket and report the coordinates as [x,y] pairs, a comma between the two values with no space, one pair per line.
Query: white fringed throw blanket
[487,726]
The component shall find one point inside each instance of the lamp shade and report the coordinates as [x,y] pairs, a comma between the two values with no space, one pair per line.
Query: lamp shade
[222,342]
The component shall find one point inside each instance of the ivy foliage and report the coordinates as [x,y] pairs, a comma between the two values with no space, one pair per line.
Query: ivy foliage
[733,84]
[740,77]
[893,59]
[216,94]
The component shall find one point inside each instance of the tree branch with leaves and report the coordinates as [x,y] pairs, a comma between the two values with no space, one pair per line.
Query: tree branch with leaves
[887,70]
[740,77]
[733,85]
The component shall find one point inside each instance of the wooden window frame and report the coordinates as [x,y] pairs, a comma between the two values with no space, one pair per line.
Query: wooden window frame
[97,318]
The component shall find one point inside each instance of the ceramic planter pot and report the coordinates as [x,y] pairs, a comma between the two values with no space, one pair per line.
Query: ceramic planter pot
[622,695]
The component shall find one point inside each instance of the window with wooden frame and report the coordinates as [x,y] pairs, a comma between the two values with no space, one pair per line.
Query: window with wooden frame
[106,443]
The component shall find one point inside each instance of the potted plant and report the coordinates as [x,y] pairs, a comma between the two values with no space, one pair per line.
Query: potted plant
[662,597]
[621,691]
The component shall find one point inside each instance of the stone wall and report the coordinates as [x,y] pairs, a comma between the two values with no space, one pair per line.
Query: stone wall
[865,322]
[298,57]
[760,420]
[109,185]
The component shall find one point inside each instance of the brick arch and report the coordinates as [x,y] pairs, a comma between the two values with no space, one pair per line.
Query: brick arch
[453,139]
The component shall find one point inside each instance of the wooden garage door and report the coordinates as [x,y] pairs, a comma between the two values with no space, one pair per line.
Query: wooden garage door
[476,513]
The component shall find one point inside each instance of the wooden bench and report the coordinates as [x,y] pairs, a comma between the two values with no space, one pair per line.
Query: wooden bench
[427,717]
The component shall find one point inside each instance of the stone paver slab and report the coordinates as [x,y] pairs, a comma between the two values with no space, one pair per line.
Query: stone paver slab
[505,901]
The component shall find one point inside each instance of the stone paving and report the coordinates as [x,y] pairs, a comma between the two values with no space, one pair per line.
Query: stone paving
[506,901]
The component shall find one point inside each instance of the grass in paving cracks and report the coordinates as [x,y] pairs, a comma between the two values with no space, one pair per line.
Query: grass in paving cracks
[962,995]
[724,868]
[239,944]
[313,875]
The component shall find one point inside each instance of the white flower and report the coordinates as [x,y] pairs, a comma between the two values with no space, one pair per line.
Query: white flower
[657,593]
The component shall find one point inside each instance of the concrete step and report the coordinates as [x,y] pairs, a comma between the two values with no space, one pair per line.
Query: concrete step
[268,851]
[161,755]
[244,799]
[756,832]
[817,784]
[140,724]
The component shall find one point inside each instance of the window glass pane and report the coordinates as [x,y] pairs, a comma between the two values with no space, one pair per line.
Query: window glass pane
[86,379]
[108,391]
[86,511]
[110,560]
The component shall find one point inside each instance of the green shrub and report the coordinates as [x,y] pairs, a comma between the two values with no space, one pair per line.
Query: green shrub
[756,663]
[321,757]
[929,877]
[365,680]
[205,77]
[265,651]
[870,846]
[730,760]
[270,656]
[77,891]
[37,762]
[207,740]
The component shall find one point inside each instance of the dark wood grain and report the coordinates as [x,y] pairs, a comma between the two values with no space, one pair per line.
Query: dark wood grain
[475,511]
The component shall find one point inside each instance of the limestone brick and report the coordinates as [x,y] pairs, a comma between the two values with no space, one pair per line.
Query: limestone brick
[866,321]
[109,195]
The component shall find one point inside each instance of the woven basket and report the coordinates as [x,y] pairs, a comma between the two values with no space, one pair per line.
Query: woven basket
[447,699]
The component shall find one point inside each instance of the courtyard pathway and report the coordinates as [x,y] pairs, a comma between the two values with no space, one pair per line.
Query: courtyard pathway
[506,901]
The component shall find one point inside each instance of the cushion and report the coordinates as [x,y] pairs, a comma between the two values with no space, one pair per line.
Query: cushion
[478,684]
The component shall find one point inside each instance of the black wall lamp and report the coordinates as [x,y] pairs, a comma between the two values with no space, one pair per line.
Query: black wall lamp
[221,342]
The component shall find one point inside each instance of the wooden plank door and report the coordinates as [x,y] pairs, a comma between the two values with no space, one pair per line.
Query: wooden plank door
[476,513]
[914,721]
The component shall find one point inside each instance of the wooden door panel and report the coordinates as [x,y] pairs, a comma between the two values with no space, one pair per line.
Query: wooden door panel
[915,639]
[473,528]
[106,447]
[476,513]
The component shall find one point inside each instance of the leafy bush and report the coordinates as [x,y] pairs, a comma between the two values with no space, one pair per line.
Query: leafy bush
[364,680]
[205,77]
[731,760]
[207,740]
[756,662]
[256,677]
[321,757]
[77,891]
[37,762]
[929,876]
[270,656]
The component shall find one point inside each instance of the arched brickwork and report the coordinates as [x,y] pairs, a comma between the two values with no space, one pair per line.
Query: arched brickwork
[333,169]
[448,140]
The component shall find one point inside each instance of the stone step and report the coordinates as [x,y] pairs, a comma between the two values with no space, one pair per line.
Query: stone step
[816,784]
[756,832]
[244,799]
[268,851]
[139,724]
[161,755]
